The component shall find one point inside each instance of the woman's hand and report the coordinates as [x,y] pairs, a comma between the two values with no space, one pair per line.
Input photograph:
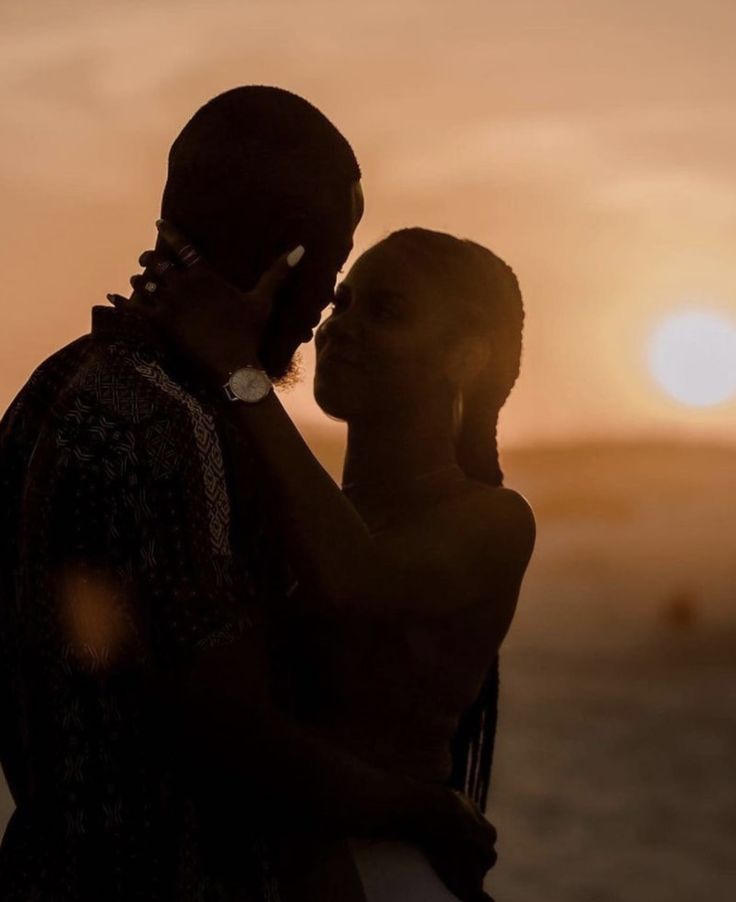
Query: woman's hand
[211,322]
[460,844]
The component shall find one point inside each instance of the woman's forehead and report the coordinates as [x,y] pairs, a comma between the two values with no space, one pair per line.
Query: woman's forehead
[387,266]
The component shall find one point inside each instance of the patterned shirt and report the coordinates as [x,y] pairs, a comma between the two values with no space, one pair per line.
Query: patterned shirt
[115,567]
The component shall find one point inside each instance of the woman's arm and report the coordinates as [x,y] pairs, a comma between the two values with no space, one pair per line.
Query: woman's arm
[333,553]
[217,328]
[480,541]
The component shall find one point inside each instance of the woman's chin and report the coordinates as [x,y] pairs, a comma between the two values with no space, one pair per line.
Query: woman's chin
[331,402]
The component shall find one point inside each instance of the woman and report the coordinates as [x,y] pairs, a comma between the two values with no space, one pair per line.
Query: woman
[409,578]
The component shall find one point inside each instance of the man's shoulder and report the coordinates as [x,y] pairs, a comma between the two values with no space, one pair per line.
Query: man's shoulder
[111,409]
[127,384]
[34,401]
[118,378]
[123,393]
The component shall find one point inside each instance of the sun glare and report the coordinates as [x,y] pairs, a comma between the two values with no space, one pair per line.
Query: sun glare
[692,355]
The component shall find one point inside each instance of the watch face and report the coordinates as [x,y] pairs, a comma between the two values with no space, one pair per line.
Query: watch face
[249,384]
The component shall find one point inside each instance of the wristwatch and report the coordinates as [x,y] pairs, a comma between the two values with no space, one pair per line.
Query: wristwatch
[248,384]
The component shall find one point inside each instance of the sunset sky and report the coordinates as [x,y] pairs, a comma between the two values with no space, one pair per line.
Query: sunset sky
[592,144]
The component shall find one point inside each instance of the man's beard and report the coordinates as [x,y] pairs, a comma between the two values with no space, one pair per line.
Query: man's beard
[290,375]
[279,353]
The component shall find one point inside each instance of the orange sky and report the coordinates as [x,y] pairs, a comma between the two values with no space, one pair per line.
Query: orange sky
[590,143]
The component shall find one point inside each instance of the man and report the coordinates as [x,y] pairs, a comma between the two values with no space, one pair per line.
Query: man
[148,746]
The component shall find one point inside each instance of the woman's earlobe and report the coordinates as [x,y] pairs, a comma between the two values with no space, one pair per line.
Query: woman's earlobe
[466,362]
[457,410]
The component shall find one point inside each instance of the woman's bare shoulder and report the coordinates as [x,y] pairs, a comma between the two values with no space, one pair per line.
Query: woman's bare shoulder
[482,529]
[491,531]
[490,510]
[474,517]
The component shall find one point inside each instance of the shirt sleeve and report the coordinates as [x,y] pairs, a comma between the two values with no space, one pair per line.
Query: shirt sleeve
[140,533]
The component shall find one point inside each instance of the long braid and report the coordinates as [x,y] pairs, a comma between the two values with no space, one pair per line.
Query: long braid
[477,441]
[489,291]
[474,740]
[477,450]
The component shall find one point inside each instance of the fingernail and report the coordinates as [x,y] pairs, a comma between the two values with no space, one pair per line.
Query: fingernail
[295,256]
[111,298]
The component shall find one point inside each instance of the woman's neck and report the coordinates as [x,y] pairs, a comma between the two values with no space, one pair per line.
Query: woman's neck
[397,451]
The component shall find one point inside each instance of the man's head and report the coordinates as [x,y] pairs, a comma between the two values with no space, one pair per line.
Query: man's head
[255,172]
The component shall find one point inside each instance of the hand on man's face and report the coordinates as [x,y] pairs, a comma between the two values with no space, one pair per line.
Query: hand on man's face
[297,312]
[298,309]
[209,320]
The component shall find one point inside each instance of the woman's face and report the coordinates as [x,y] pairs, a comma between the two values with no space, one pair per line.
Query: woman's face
[383,348]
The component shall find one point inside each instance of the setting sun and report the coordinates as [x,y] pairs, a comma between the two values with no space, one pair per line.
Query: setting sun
[692,355]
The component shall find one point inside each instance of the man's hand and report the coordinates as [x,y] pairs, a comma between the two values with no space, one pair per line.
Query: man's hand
[210,321]
[460,844]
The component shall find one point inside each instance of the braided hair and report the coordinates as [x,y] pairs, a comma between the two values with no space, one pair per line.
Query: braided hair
[486,293]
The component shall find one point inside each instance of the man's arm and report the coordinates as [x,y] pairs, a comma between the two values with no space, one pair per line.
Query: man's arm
[238,739]
[152,503]
[244,753]
[142,564]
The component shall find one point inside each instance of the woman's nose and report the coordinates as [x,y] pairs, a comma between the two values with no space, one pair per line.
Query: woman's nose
[337,333]
[337,326]
[324,332]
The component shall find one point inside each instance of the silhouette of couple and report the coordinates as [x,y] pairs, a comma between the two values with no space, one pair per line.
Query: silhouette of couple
[223,677]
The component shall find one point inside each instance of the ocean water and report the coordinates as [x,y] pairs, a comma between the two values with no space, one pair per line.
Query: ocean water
[615,771]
